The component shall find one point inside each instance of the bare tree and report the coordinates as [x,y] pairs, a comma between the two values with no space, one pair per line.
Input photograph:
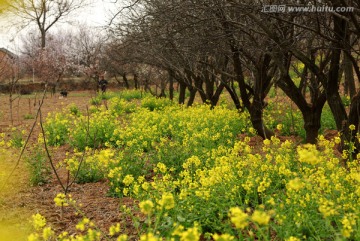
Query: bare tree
[44,13]
[88,47]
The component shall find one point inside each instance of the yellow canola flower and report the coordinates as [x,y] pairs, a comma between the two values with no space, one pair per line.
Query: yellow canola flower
[40,139]
[63,235]
[114,229]
[61,200]
[162,167]
[252,131]
[194,160]
[295,184]
[47,233]
[83,223]
[192,234]
[178,229]
[348,223]
[38,221]
[337,140]
[146,207]
[238,218]
[308,154]
[115,172]
[33,237]
[223,237]
[104,157]
[141,179]
[93,235]
[291,238]
[128,180]
[126,191]
[267,142]
[145,186]
[167,201]
[327,208]
[355,176]
[122,237]
[271,201]
[149,237]
[260,217]
[265,183]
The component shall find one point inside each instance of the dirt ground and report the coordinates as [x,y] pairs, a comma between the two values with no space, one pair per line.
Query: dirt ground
[18,204]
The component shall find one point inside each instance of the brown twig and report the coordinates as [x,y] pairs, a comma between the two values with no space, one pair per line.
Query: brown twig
[49,156]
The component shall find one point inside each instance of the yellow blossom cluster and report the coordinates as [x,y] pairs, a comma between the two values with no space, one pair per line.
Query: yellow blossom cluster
[91,165]
[86,229]
[80,130]
[298,185]
[146,207]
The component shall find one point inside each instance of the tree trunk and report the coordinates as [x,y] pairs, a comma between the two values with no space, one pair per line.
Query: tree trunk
[349,136]
[209,86]
[192,96]
[162,88]
[11,108]
[43,37]
[240,78]
[332,86]
[312,124]
[215,98]
[311,113]
[256,107]
[199,87]
[171,84]
[136,81]
[256,118]
[146,86]
[182,92]
[349,76]
[234,97]
[126,81]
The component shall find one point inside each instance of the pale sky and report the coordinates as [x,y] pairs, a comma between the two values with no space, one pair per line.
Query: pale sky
[95,15]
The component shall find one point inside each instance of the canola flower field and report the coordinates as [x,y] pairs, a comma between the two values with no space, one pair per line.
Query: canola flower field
[195,176]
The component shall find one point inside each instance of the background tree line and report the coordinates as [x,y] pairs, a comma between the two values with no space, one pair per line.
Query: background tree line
[208,47]
[213,46]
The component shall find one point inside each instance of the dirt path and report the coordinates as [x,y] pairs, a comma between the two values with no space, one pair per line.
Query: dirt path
[14,214]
